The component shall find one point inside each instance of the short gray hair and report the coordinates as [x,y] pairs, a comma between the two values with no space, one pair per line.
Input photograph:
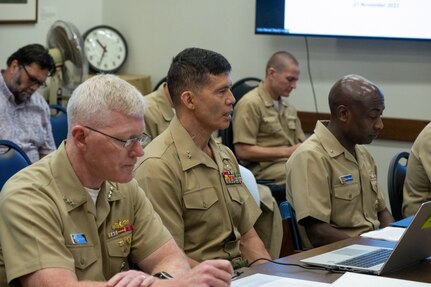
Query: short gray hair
[93,100]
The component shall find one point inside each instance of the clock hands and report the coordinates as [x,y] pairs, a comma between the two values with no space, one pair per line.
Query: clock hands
[104,51]
[101,45]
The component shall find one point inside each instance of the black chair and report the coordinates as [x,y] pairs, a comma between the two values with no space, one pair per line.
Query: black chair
[242,86]
[12,160]
[291,242]
[396,175]
[159,83]
[239,89]
[58,123]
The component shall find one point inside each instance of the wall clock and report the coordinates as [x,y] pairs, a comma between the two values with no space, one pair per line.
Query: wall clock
[105,49]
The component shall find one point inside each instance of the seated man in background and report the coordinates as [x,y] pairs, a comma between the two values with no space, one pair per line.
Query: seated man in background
[266,128]
[417,184]
[24,113]
[158,114]
[332,178]
[159,111]
[78,215]
[192,181]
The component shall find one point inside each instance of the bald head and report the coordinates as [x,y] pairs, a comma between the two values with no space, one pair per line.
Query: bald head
[356,106]
[279,61]
[352,90]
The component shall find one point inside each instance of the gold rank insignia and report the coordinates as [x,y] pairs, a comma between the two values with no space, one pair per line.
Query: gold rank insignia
[119,224]
[125,241]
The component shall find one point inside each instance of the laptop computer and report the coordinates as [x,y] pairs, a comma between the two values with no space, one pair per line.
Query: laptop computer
[413,246]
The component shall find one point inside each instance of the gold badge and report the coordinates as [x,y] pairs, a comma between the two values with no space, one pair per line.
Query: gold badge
[120,224]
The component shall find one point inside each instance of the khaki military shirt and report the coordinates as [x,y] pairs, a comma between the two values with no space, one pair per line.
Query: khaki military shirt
[201,200]
[417,184]
[158,112]
[48,220]
[257,122]
[326,182]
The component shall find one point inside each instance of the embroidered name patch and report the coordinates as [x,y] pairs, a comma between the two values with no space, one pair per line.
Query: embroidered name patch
[78,238]
[344,179]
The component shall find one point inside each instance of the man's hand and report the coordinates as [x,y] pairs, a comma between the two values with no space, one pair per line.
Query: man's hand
[210,273]
[131,278]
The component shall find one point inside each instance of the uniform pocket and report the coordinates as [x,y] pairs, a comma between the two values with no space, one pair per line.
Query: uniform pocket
[84,256]
[119,246]
[346,191]
[345,204]
[237,193]
[200,199]
[271,127]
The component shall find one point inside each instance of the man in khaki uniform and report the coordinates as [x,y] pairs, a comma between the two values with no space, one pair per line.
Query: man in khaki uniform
[158,114]
[193,182]
[417,184]
[78,215]
[159,111]
[332,178]
[266,128]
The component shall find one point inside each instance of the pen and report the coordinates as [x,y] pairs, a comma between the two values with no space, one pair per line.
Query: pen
[236,275]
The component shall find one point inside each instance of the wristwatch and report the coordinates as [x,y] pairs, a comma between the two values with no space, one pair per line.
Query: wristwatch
[163,275]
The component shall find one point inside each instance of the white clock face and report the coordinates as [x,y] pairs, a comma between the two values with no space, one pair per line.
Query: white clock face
[105,49]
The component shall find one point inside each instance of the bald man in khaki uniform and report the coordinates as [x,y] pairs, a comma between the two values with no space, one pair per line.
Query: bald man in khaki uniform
[417,184]
[331,178]
[193,182]
[266,127]
[159,111]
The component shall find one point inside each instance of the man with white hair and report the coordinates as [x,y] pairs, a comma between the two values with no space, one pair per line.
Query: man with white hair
[77,217]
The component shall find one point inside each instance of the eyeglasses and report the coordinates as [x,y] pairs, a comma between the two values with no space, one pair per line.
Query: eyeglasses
[32,79]
[143,140]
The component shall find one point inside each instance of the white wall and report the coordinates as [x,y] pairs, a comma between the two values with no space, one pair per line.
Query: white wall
[158,30]
[82,13]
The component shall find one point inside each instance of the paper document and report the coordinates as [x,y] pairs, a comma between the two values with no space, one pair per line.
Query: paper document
[360,280]
[263,280]
[388,233]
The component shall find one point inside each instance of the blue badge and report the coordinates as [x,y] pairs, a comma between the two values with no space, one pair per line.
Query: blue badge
[78,238]
[346,178]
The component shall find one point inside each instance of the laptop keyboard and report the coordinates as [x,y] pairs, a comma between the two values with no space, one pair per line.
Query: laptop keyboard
[369,259]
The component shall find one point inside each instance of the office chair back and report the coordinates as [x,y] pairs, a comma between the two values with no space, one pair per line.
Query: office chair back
[12,160]
[396,175]
[243,86]
[159,83]
[58,124]
[239,89]
[291,239]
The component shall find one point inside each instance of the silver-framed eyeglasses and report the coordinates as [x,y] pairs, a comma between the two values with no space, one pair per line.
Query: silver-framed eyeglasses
[32,79]
[143,140]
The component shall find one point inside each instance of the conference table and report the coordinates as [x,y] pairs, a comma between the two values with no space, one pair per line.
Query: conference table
[420,271]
